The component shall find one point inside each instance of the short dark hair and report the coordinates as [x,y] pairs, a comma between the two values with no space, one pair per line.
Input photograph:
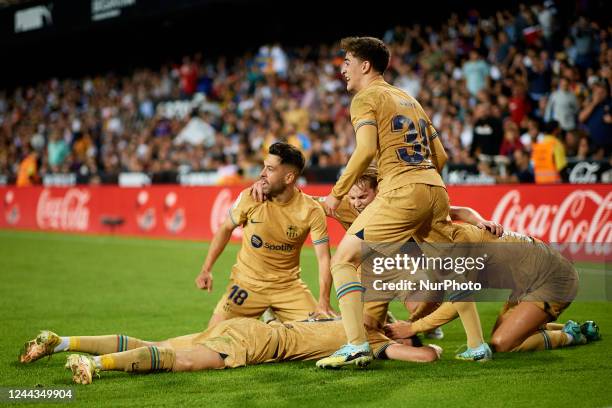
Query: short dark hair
[368,49]
[289,155]
[369,178]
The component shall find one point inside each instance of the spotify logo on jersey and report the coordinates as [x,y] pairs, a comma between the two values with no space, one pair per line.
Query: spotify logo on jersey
[256,241]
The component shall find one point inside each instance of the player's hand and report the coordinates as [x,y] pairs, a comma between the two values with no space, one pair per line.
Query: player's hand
[332,203]
[324,311]
[399,330]
[257,192]
[204,280]
[493,227]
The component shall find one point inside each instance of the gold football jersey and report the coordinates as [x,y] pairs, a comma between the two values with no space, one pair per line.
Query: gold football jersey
[318,339]
[404,134]
[273,235]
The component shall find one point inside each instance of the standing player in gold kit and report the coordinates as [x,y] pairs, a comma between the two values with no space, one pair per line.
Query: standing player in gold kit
[412,203]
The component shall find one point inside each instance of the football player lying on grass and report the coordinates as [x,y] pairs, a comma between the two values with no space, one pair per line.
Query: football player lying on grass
[233,343]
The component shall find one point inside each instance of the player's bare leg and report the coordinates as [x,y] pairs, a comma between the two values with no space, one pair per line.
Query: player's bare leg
[349,291]
[197,358]
[520,331]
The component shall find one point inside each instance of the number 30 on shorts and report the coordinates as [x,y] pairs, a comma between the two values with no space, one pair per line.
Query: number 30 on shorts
[238,295]
[420,149]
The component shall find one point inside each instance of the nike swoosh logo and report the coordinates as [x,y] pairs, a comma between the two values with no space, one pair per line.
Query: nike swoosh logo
[256,222]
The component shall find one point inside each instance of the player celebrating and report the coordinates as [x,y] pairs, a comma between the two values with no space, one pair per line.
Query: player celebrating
[544,284]
[232,343]
[267,271]
[412,203]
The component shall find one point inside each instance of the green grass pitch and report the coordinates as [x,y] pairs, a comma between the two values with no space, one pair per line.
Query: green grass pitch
[90,285]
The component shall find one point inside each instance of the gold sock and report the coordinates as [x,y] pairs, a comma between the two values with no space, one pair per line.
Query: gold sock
[544,340]
[104,344]
[471,322]
[349,290]
[141,360]
[442,315]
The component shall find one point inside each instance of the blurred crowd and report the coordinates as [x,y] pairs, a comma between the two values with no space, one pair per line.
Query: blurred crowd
[514,95]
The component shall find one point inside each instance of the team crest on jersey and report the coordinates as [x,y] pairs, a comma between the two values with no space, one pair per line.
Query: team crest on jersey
[292,231]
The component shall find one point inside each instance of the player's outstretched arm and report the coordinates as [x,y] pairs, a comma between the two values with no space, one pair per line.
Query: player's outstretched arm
[402,329]
[472,217]
[423,354]
[204,280]
[364,153]
[325,280]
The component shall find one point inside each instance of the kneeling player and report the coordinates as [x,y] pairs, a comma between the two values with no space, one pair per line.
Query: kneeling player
[267,270]
[232,343]
[544,284]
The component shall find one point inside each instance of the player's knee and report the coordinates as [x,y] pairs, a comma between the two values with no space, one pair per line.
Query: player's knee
[501,343]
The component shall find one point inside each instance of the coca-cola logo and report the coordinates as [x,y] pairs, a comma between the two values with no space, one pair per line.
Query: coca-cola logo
[582,217]
[220,209]
[146,221]
[174,220]
[146,217]
[584,172]
[12,214]
[68,212]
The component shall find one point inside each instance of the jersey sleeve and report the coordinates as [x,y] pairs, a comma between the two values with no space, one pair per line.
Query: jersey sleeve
[318,227]
[362,111]
[238,212]
[430,130]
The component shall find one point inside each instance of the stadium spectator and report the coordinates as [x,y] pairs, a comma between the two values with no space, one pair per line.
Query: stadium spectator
[57,150]
[521,171]
[28,168]
[596,114]
[476,72]
[459,69]
[511,141]
[584,150]
[562,106]
[548,156]
[488,133]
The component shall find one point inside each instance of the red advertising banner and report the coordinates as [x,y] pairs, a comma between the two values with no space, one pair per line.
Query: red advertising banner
[553,213]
